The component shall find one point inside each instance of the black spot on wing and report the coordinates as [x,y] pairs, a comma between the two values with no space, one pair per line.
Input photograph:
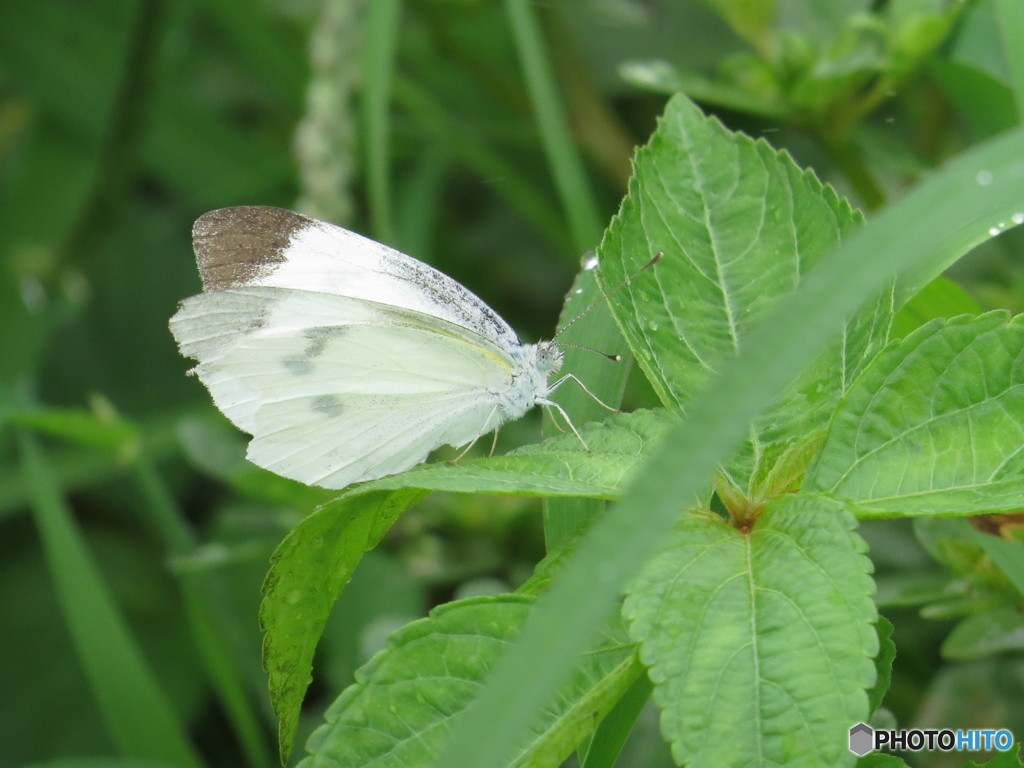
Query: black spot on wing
[328,405]
[320,337]
[317,340]
[298,366]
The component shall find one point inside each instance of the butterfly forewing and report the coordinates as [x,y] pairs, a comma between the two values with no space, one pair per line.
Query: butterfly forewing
[260,245]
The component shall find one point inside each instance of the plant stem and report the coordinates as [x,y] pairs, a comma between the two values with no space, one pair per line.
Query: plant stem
[381,38]
[566,166]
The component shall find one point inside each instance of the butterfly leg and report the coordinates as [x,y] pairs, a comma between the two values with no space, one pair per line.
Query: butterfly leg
[561,410]
[472,442]
[583,386]
[463,452]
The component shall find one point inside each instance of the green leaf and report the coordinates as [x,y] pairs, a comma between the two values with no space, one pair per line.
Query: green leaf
[750,86]
[1011,27]
[559,466]
[909,589]
[399,712]
[741,226]
[950,541]
[137,713]
[759,643]
[750,19]
[819,22]
[883,664]
[940,298]
[979,97]
[918,28]
[985,634]
[935,425]
[1006,554]
[307,572]
[316,560]
[921,233]
[104,430]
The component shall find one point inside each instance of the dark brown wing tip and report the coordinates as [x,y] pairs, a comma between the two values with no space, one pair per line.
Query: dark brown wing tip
[234,246]
[247,217]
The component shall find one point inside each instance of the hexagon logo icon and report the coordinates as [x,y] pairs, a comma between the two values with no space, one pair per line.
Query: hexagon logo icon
[862,739]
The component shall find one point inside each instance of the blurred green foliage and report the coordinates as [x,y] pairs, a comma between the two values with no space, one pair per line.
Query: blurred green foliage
[121,122]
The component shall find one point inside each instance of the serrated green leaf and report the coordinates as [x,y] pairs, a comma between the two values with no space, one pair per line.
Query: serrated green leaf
[883,664]
[782,465]
[921,232]
[740,225]
[759,644]
[399,712]
[722,207]
[316,560]
[559,466]
[935,425]
[307,572]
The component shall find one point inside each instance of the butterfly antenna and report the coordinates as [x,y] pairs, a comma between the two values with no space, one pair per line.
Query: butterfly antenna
[657,257]
[613,358]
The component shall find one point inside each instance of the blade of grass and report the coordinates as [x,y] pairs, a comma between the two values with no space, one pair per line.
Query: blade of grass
[563,518]
[566,167]
[419,202]
[467,148]
[567,517]
[382,20]
[610,736]
[1011,29]
[932,222]
[139,718]
[208,609]
[257,40]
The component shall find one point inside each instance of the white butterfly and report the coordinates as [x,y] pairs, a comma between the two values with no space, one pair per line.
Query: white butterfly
[345,359]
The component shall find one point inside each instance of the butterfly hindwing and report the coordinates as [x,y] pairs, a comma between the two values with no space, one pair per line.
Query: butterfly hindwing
[335,389]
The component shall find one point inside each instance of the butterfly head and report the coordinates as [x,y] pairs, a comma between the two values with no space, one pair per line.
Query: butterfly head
[549,357]
[536,364]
